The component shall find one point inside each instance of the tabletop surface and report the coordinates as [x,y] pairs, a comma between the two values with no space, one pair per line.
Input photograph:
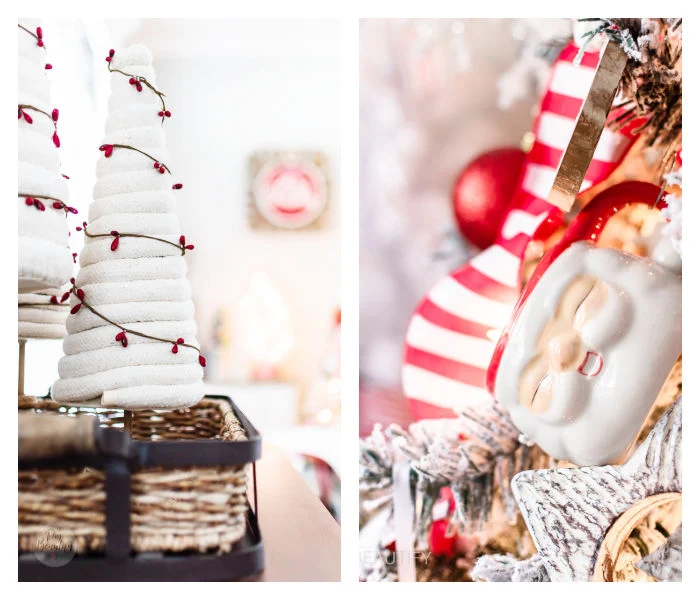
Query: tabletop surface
[301,538]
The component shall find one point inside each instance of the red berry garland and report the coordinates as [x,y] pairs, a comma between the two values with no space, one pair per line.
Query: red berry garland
[22,113]
[138,82]
[183,246]
[38,36]
[108,149]
[121,336]
[52,300]
[39,205]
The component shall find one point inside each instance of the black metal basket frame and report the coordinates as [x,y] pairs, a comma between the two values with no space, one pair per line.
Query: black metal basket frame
[119,456]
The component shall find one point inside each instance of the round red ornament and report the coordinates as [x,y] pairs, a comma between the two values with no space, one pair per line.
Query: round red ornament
[483,192]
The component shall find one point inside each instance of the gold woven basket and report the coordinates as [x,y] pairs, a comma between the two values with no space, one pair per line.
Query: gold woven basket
[172,509]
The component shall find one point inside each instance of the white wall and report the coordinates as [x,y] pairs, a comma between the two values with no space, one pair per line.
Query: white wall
[235,87]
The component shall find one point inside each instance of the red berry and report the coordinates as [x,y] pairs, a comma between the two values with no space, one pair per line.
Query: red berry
[189,247]
[161,113]
[111,52]
[65,297]
[108,149]
[80,293]
[29,201]
[114,232]
[27,117]
[54,300]
[108,59]
[72,280]
[182,240]
[115,244]
[120,336]
[138,87]
[162,170]
[132,81]
[167,113]
[174,350]
[40,43]
[75,254]
[48,66]
[57,205]
[177,186]
[65,176]
[75,309]
[54,114]
[180,341]
[39,205]
[39,33]
[202,361]
[73,211]
[56,140]
[156,165]
[125,342]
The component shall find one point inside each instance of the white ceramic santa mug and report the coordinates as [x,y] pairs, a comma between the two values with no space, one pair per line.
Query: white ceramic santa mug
[591,340]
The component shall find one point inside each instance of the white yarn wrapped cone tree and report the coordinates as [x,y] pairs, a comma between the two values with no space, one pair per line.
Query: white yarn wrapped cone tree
[131,340]
[44,259]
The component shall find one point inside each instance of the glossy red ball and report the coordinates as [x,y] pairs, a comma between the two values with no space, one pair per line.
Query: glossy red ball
[482,194]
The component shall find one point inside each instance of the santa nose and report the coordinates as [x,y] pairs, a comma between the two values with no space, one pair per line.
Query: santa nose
[563,350]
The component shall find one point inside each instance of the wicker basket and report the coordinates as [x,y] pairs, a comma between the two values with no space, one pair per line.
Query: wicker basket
[175,508]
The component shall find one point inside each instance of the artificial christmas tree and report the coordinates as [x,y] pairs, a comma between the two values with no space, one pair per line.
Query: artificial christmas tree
[131,334]
[45,259]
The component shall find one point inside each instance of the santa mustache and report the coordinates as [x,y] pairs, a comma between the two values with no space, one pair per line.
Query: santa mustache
[609,323]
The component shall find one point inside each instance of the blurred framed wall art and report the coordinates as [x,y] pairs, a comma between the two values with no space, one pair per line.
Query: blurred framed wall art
[288,190]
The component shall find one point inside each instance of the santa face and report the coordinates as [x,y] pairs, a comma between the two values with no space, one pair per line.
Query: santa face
[290,194]
[590,351]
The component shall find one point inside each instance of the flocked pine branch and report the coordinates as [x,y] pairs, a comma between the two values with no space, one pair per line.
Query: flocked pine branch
[475,455]
[505,567]
[652,82]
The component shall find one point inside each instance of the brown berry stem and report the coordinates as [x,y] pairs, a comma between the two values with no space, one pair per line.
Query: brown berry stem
[74,290]
[134,235]
[29,304]
[34,35]
[30,107]
[155,160]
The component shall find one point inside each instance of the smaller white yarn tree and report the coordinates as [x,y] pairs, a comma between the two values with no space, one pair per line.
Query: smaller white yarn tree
[131,340]
[45,259]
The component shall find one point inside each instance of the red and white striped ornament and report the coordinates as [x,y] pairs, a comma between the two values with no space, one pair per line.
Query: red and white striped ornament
[454,329]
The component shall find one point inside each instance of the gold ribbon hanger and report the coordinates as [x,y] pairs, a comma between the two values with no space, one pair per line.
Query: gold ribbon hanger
[588,129]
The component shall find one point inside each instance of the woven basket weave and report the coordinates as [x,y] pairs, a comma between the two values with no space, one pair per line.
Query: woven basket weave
[199,509]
